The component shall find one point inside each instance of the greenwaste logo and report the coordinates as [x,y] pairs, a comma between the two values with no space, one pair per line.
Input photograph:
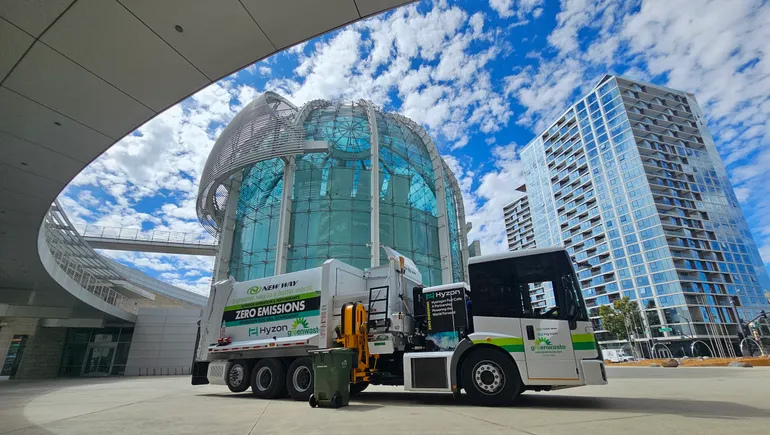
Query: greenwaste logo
[302,327]
[254,290]
[299,322]
[543,345]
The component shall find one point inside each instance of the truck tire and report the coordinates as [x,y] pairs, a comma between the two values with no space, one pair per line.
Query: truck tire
[299,379]
[268,379]
[238,376]
[490,377]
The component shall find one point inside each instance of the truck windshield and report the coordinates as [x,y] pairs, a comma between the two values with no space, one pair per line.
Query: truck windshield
[532,286]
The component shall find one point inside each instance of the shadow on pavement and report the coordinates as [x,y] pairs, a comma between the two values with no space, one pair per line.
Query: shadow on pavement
[642,405]
[15,395]
[685,408]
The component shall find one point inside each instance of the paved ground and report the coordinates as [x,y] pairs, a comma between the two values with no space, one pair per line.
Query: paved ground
[638,401]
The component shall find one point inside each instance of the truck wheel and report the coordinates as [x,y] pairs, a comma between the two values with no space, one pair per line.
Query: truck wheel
[299,379]
[237,376]
[357,388]
[490,378]
[268,379]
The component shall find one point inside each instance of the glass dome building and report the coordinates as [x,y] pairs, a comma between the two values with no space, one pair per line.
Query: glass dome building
[286,188]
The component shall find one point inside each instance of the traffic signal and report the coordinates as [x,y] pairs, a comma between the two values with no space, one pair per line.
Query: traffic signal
[763,314]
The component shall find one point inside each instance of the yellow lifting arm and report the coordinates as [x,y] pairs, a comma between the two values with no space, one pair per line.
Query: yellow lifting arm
[353,336]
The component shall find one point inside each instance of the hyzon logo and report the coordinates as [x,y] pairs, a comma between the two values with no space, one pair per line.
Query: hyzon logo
[443,294]
[254,290]
[268,330]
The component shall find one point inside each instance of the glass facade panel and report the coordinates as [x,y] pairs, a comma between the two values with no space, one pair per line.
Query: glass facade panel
[408,197]
[256,221]
[102,351]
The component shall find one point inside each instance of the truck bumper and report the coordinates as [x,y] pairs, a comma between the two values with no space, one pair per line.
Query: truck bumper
[594,372]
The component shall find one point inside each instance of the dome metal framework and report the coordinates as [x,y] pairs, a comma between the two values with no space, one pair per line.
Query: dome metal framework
[284,188]
[264,129]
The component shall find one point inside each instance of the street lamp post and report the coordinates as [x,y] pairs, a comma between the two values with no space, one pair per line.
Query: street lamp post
[692,328]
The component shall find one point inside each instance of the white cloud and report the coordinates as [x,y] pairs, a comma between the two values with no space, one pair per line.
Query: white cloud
[167,153]
[764,251]
[485,199]
[201,285]
[190,272]
[520,8]
[742,193]
[298,49]
[265,71]
[426,59]
[163,159]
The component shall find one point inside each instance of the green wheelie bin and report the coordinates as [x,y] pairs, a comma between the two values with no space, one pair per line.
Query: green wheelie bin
[332,377]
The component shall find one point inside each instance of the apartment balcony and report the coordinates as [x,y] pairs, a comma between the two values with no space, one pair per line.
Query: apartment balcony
[664,119]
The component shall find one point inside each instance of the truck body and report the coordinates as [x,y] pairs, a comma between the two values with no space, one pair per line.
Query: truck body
[484,338]
[616,355]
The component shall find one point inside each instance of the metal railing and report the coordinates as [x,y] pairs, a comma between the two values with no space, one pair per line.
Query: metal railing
[150,236]
[81,263]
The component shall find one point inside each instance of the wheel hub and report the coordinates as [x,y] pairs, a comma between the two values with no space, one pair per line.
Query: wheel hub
[264,378]
[301,379]
[488,377]
[236,375]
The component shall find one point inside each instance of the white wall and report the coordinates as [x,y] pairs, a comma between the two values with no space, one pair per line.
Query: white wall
[163,342]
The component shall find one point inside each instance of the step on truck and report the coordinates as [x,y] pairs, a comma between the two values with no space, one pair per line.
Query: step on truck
[520,323]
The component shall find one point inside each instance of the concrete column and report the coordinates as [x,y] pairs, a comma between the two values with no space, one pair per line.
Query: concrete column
[375,184]
[443,222]
[42,356]
[462,226]
[284,223]
[15,326]
[43,349]
[225,250]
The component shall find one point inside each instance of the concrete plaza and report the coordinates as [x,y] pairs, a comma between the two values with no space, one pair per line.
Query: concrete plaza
[637,401]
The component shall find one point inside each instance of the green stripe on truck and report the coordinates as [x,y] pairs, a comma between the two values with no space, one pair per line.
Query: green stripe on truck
[583,346]
[583,342]
[510,344]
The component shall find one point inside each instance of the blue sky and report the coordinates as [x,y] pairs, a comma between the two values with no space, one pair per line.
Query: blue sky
[482,77]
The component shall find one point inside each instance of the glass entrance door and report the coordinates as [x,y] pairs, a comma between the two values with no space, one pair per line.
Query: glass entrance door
[98,361]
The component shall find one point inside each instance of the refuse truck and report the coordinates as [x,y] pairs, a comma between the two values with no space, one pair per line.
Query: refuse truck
[491,337]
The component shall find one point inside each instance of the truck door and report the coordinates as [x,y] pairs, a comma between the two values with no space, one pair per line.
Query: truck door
[548,350]
[546,332]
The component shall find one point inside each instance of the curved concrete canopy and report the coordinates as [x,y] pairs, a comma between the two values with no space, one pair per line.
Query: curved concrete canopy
[76,76]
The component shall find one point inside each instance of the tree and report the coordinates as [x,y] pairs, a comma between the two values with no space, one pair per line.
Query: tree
[622,318]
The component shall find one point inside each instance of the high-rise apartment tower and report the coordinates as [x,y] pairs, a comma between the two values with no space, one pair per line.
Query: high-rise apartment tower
[629,180]
[518,223]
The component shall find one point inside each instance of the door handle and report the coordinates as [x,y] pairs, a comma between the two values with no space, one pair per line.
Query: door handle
[530,332]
